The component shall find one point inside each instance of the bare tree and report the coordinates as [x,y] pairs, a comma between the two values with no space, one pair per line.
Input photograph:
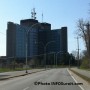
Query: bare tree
[83,54]
[82,31]
[74,53]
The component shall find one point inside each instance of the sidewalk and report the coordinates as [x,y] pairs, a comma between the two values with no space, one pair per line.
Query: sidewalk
[82,72]
[8,75]
[86,84]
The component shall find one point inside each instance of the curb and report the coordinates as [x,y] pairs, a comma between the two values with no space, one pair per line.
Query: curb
[19,75]
[80,75]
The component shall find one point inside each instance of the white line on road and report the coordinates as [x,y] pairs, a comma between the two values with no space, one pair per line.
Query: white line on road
[75,80]
[26,88]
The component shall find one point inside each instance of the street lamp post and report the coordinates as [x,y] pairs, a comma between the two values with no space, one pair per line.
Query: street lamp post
[45,51]
[54,59]
[26,50]
[69,62]
[57,56]
[27,42]
[45,46]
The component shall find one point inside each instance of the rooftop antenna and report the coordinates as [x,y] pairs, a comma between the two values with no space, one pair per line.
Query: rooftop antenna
[33,13]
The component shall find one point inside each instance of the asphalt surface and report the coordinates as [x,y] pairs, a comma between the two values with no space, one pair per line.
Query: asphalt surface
[7,75]
[45,80]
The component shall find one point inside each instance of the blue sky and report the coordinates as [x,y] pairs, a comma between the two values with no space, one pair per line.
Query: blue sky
[57,12]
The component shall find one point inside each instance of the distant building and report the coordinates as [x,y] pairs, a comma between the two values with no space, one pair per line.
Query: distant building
[39,35]
[16,40]
[59,36]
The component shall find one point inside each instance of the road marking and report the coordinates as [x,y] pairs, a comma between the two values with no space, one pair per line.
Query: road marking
[75,80]
[26,88]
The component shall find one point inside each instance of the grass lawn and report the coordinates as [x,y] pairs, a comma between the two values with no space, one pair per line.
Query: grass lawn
[5,70]
[85,69]
[82,76]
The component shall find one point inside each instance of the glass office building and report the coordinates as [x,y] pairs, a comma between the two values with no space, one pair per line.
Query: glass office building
[16,41]
[38,37]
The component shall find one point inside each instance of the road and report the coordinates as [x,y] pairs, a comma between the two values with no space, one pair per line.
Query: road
[44,80]
[17,73]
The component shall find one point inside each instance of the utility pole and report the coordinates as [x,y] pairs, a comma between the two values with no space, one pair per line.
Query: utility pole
[78,51]
[78,61]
